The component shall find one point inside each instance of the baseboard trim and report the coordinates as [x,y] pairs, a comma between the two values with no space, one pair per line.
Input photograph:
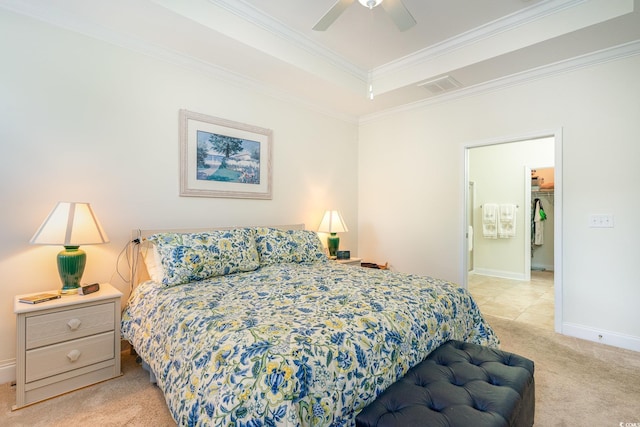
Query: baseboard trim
[8,372]
[541,267]
[498,273]
[601,336]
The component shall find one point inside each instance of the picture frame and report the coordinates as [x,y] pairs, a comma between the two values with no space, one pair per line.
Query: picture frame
[224,158]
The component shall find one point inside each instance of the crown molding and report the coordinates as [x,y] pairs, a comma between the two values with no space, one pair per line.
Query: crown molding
[538,11]
[57,18]
[266,22]
[504,24]
[583,61]
[60,19]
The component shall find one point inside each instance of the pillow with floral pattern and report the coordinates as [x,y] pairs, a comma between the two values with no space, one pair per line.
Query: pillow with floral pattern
[188,257]
[282,246]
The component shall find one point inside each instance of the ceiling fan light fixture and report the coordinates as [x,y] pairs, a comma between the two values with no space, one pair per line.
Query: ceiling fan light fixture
[395,8]
[370,3]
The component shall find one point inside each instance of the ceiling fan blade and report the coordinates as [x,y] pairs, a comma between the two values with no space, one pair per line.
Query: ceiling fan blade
[399,13]
[332,14]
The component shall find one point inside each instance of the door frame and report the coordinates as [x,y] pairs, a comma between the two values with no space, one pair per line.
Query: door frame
[556,134]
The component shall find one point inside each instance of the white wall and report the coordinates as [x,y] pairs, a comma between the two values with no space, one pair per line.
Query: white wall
[498,172]
[411,202]
[82,120]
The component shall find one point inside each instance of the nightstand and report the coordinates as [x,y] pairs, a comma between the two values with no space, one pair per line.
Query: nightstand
[66,344]
[350,261]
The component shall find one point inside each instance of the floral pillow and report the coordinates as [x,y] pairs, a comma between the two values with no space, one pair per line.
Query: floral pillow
[188,257]
[279,246]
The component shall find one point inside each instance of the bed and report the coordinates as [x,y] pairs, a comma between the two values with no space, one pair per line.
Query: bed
[255,326]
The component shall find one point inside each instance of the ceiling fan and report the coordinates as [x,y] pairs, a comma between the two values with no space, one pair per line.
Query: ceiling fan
[395,8]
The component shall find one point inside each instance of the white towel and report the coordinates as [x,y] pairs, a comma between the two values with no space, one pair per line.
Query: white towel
[507,221]
[490,221]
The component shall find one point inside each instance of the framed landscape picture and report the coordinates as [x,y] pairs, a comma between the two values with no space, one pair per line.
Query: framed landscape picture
[223,158]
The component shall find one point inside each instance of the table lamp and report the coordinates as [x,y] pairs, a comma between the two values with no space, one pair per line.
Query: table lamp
[332,223]
[70,224]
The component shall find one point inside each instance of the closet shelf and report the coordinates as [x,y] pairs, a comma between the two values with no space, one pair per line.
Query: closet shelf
[543,193]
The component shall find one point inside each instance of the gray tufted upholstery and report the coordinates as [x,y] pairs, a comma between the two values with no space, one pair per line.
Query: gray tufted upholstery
[461,385]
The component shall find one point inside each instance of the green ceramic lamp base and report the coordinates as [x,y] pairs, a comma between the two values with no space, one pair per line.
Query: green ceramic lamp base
[333,242]
[71,262]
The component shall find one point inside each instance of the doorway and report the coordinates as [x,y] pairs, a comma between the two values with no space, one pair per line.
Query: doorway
[543,218]
[509,151]
[470,204]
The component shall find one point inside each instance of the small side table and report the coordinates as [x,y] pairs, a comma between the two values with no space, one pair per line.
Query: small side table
[350,261]
[66,344]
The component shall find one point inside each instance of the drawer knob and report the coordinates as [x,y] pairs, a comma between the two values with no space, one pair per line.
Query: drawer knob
[74,324]
[73,355]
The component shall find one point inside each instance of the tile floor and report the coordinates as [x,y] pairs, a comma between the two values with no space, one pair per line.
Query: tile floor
[529,302]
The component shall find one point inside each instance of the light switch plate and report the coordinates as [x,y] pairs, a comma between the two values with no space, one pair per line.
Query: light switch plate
[601,221]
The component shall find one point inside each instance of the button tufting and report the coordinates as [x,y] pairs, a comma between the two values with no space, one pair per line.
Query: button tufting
[476,362]
[434,408]
[477,383]
[480,406]
[458,381]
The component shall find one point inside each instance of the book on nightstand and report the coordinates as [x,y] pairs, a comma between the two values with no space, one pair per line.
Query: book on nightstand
[35,299]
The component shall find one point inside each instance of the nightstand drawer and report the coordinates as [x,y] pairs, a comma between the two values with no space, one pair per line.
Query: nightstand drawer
[55,359]
[69,324]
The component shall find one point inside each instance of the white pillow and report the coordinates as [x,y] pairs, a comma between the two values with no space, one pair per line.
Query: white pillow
[151,259]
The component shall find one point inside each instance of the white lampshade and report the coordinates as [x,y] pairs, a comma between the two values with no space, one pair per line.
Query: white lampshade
[70,224]
[332,222]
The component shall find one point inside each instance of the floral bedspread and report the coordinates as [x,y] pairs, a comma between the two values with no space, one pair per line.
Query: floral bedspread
[292,344]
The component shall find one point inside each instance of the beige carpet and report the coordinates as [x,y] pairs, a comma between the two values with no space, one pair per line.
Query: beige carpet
[129,400]
[578,383]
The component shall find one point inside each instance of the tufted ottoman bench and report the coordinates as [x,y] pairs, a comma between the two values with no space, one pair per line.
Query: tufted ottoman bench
[459,384]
